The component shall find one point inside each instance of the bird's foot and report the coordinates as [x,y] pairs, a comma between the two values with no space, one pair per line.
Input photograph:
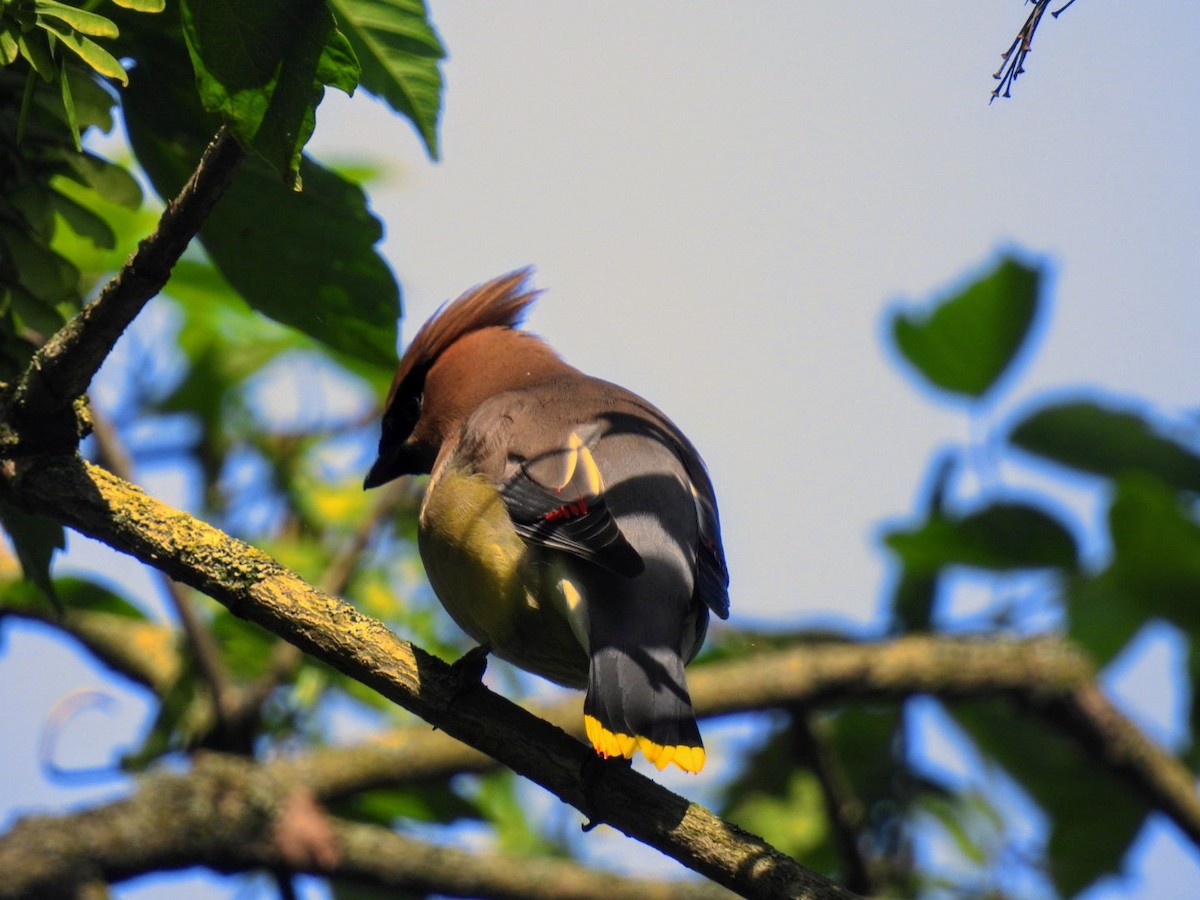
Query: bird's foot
[470,667]
[590,773]
[466,672]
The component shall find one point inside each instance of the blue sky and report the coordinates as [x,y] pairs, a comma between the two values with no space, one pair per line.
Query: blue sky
[722,201]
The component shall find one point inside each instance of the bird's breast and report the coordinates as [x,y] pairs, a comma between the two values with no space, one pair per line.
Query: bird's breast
[489,581]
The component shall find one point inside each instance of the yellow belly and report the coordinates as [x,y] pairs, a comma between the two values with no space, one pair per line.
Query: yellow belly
[490,582]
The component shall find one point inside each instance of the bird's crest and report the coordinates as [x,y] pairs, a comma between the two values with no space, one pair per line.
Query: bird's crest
[499,303]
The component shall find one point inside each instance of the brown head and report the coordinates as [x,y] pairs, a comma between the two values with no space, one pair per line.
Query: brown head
[467,352]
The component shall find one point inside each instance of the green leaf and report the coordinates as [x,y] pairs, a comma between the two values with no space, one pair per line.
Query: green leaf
[398,51]
[257,65]
[1093,816]
[965,343]
[1192,754]
[47,277]
[999,537]
[1156,550]
[306,259]
[970,821]
[90,52]
[83,221]
[1103,616]
[9,48]
[338,66]
[79,20]
[433,803]
[245,647]
[111,181]
[69,109]
[35,47]
[146,6]
[1104,439]
[35,540]
[177,724]
[82,594]
[916,592]
[498,797]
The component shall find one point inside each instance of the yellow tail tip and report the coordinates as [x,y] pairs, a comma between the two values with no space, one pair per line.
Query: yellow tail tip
[608,743]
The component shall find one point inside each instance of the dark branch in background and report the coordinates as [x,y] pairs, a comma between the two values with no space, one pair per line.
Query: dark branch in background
[233,815]
[1013,60]
[1163,781]
[255,587]
[845,811]
[63,367]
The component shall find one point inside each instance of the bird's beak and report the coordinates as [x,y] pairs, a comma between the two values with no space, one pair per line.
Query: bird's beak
[387,467]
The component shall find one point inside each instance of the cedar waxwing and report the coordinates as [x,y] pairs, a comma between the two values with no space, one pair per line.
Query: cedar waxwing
[568,524]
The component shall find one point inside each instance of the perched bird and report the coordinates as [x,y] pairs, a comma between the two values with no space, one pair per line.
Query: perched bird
[568,524]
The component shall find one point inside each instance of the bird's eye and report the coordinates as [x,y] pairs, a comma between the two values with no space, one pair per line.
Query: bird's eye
[410,407]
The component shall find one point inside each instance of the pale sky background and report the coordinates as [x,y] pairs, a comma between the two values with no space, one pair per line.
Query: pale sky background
[722,201]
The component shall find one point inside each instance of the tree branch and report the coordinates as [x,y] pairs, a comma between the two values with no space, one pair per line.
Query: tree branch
[843,808]
[1162,780]
[255,587]
[233,815]
[63,367]
[1051,676]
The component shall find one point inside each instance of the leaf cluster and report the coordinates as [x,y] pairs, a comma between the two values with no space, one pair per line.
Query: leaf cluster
[1041,558]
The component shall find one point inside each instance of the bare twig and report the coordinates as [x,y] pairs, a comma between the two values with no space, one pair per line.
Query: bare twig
[1012,63]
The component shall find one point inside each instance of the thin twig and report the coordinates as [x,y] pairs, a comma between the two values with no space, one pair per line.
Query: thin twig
[1012,64]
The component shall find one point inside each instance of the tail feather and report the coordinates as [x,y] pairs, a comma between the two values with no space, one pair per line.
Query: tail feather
[640,701]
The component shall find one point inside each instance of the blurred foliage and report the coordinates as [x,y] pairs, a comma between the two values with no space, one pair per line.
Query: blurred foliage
[258,375]
[976,526]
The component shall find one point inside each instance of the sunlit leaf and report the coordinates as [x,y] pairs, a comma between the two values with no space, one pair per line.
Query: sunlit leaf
[80,20]
[90,52]
[110,180]
[9,48]
[260,65]
[399,52]
[83,221]
[146,6]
